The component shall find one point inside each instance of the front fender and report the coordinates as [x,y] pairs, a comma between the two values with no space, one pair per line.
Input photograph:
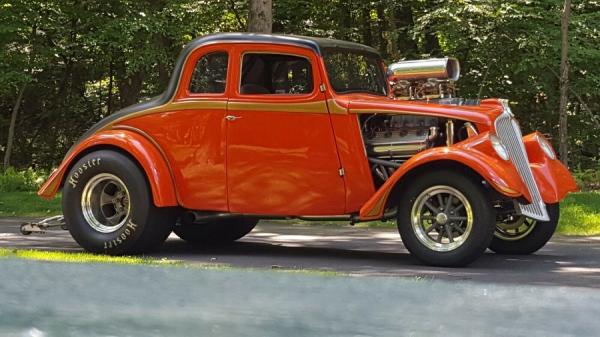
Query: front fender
[472,153]
[133,142]
[553,179]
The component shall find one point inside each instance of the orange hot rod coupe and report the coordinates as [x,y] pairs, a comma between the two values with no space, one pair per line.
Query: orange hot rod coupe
[258,126]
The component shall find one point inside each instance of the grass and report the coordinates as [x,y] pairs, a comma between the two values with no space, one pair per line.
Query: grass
[27,204]
[580,212]
[76,257]
[57,256]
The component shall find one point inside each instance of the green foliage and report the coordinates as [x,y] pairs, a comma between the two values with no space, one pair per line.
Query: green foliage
[82,60]
[580,214]
[28,204]
[588,180]
[28,180]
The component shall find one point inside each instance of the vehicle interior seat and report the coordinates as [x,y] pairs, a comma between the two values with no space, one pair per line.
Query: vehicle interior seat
[253,76]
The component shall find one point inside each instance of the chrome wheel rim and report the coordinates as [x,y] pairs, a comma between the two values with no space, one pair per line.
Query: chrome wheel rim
[442,218]
[514,229]
[105,203]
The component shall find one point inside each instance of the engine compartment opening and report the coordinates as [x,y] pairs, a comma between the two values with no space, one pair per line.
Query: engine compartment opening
[391,140]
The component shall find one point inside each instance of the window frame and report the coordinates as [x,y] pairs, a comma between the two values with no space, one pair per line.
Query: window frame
[193,59]
[286,95]
[364,53]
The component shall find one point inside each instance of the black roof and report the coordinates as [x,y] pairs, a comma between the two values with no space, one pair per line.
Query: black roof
[315,43]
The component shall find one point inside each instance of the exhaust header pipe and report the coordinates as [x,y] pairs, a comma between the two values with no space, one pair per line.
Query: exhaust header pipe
[446,68]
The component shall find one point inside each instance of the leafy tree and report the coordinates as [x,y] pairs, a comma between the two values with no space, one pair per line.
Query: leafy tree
[77,61]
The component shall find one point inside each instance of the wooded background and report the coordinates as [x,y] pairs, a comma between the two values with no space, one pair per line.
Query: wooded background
[70,63]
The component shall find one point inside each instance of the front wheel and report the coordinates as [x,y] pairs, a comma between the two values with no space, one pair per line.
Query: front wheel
[446,219]
[522,236]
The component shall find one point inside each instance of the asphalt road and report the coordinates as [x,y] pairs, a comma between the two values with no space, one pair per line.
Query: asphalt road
[62,299]
[565,261]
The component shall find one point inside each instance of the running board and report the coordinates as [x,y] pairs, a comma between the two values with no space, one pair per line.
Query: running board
[190,217]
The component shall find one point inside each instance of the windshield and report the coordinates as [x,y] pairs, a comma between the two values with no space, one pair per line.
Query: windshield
[354,71]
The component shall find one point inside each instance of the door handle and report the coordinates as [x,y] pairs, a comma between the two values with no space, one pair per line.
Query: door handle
[232,117]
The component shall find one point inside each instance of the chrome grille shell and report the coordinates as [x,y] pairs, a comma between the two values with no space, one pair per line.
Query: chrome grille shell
[508,130]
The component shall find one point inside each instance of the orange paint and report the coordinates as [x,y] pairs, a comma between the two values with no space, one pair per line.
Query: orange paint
[135,144]
[288,155]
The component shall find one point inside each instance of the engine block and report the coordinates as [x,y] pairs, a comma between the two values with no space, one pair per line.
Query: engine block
[398,137]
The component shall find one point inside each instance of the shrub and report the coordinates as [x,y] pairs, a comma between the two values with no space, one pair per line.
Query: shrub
[12,180]
[588,180]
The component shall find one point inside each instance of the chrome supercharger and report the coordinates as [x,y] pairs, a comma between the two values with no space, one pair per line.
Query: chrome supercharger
[424,79]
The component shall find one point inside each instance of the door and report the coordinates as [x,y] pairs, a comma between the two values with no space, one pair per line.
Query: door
[281,152]
[192,130]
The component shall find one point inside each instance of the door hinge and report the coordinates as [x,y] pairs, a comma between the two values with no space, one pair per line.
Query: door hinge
[322,87]
[341,172]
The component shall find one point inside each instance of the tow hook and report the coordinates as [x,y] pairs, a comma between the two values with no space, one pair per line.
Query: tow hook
[40,227]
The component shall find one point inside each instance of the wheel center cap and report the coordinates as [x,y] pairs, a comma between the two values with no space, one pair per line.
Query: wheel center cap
[441,218]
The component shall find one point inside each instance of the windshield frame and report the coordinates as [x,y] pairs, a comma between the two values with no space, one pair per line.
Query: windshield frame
[370,55]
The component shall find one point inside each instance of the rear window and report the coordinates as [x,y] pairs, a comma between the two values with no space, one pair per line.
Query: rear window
[210,74]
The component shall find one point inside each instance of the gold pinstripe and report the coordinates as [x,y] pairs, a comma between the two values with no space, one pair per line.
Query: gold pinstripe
[309,107]
[335,109]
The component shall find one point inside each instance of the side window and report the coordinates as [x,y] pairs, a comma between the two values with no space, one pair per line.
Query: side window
[273,74]
[210,74]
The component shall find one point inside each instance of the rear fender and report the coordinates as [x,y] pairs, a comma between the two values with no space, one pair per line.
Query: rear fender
[135,143]
[473,154]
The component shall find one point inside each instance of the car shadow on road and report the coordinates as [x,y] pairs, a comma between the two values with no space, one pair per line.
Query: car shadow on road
[565,261]
[555,265]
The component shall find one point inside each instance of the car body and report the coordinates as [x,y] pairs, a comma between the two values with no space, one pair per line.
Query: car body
[239,148]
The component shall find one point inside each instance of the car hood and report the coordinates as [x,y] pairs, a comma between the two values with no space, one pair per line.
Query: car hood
[483,114]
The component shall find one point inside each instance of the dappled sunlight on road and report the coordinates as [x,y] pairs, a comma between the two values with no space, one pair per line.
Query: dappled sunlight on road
[565,261]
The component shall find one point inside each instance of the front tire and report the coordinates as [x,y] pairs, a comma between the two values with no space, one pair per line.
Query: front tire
[525,236]
[446,219]
[108,208]
[216,232]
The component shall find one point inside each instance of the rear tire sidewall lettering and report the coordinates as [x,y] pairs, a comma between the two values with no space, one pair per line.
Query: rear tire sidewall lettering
[121,166]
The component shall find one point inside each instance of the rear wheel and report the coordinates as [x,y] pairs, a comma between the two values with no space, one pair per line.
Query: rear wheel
[216,232]
[521,235]
[446,219]
[108,208]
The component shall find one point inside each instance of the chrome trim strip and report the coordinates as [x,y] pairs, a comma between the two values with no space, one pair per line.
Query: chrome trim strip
[508,130]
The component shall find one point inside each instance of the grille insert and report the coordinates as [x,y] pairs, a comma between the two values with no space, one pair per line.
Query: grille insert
[508,130]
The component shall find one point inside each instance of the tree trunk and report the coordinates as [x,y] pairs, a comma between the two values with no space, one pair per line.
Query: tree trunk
[13,117]
[563,148]
[260,17]
[367,34]
[130,87]
[109,105]
[392,33]
[11,128]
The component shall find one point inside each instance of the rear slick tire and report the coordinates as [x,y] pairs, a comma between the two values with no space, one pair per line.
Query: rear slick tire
[531,239]
[108,208]
[446,219]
